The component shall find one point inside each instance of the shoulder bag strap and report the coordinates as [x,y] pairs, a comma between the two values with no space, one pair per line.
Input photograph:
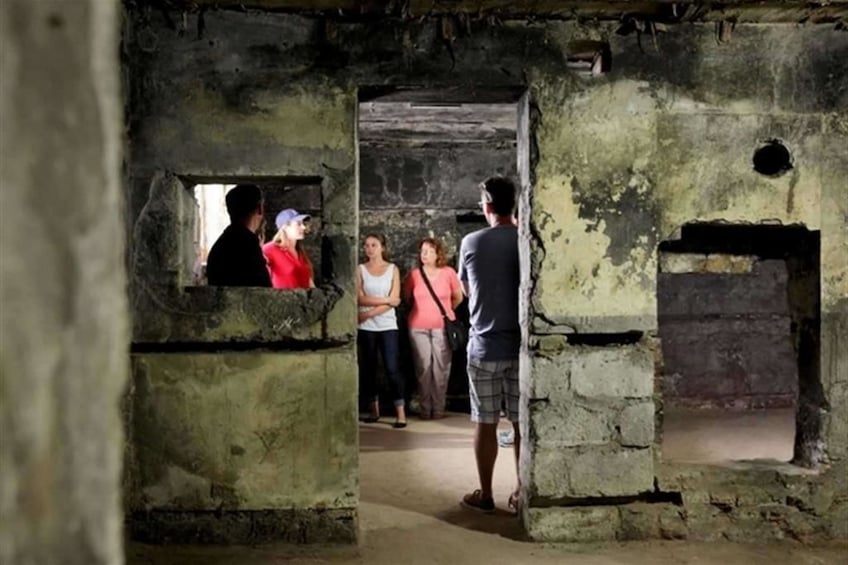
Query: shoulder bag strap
[433,294]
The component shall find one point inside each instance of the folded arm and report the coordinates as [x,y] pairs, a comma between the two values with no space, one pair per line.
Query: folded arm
[371,312]
[363,299]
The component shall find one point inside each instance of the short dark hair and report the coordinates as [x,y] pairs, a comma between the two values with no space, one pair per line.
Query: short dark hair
[500,192]
[242,201]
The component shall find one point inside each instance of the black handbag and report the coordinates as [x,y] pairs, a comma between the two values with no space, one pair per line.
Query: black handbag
[456,332]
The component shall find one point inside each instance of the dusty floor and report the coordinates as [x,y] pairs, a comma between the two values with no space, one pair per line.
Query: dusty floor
[411,481]
[713,436]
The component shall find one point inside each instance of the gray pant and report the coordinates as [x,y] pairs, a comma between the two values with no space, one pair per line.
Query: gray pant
[432,356]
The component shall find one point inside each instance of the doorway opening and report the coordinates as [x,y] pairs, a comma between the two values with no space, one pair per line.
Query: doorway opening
[739,316]
[423,154]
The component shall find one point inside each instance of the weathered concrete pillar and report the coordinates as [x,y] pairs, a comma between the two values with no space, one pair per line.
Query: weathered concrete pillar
[63,320]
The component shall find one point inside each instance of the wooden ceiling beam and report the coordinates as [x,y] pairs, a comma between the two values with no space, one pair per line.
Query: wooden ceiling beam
[741,11]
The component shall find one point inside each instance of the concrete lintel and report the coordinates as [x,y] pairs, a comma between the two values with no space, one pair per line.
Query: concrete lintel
[595,324]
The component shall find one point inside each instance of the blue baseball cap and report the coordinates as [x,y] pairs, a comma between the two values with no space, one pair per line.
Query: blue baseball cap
[290,215]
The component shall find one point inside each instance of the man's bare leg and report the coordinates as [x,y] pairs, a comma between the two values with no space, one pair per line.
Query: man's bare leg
[486,452]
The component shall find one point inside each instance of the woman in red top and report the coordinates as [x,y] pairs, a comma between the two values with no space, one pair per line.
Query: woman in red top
[288,263]
[431,352]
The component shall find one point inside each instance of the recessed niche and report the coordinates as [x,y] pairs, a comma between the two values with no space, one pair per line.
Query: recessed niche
[738,312]
[589,58]
[772,159]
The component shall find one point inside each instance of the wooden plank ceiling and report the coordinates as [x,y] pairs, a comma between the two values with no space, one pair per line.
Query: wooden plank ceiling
[665,11]
[436,123]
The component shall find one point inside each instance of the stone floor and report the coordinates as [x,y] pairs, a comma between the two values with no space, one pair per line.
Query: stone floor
[411,481]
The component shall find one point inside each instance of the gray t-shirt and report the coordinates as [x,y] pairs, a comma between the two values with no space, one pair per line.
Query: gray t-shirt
[488,265]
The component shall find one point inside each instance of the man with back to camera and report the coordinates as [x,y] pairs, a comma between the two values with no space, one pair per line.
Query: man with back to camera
[236,257]
[489,270]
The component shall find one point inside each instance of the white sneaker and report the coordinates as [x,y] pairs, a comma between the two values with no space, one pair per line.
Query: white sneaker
[506,438]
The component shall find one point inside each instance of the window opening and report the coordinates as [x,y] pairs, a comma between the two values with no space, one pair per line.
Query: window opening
[210,217]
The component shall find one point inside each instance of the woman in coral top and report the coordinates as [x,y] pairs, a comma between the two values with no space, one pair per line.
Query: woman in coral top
[431,352]
[288,263]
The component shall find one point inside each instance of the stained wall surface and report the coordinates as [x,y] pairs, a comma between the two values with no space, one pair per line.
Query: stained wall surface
[610,166]
[623,164]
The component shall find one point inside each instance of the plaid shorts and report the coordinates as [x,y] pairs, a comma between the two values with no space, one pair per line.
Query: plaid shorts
[490,383]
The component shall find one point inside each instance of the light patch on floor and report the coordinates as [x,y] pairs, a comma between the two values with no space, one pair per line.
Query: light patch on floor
[720,436]
[427,467]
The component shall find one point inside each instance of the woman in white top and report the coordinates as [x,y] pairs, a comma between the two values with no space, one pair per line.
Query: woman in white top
[378,290]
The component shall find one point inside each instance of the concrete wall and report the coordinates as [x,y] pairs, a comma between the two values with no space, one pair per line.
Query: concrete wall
[213,126]
[413,192]
[667,139]
[63,320]
[253,436]
[726,336]
[612,166]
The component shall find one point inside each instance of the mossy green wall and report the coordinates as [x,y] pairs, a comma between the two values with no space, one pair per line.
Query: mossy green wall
[243,431]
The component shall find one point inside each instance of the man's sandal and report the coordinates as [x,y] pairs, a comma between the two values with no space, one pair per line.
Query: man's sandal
[475,501]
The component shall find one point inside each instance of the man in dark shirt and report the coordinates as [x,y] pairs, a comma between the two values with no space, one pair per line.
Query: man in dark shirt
[489,269]
[236,258]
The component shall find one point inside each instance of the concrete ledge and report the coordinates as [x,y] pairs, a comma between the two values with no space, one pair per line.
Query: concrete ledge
[715,520]
[578,524]
[306,526]
[760,500]
[554,322]
[205,314]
